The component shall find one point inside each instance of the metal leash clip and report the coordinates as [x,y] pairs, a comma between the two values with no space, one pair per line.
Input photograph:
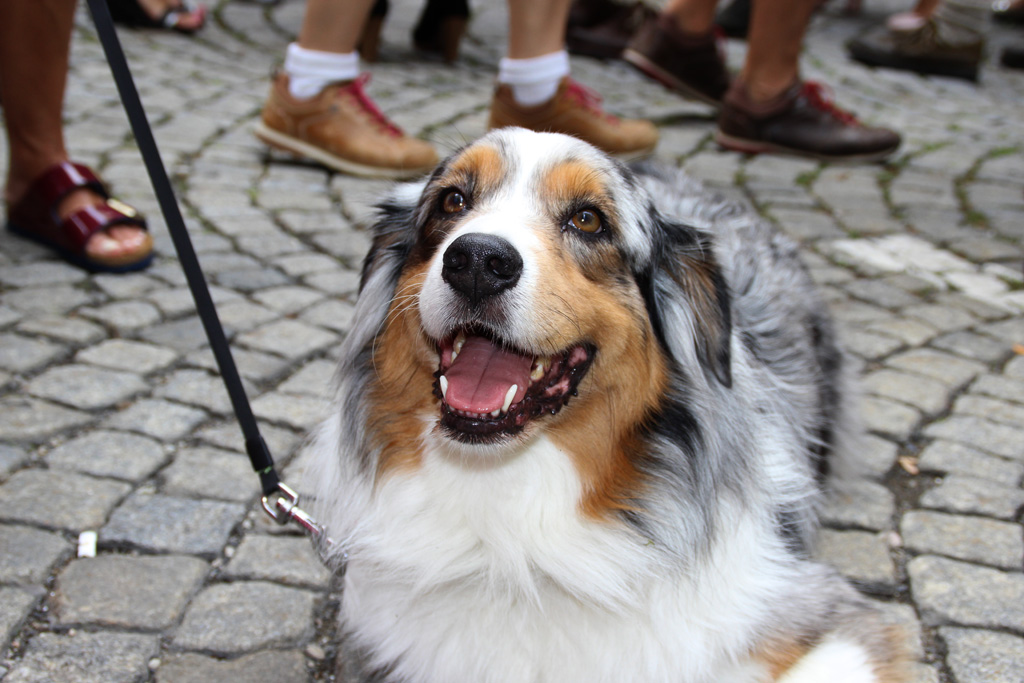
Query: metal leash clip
[285,510]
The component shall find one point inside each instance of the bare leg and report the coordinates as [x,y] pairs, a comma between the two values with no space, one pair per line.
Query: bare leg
[536,27]
[692,16]
[775,38]
[333,25]
[35,39]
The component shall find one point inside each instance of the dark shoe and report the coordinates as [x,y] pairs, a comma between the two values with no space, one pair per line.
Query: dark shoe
[34,216]
[576,110]
[921,50]
[441,26]
[692,66]
[734,20]
[602,29]
[1013,57]
[800,121]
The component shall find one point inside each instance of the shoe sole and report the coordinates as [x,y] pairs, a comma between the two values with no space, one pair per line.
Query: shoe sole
[927,66]
[665,78]
[746,146]
[304,150]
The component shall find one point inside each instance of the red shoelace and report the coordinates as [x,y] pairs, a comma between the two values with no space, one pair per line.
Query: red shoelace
[586,98]
[820,97]
[368,105]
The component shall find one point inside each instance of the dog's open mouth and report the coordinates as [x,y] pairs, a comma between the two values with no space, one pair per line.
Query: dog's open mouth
[489,390]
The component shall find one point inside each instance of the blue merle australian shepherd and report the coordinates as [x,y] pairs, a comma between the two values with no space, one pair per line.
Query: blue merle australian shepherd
[580,431]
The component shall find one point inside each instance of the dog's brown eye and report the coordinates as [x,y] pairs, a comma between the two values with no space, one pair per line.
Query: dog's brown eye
[454,202]
[587,221]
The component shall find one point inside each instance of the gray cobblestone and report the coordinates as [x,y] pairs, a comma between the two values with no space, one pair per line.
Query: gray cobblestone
[974,539]
[22,354]
[159,419]
[271,666]
[11,458]
[970,495]
[976,655]
[943,367]
[860,503]
[61,329]
[948,456]
[103,657]
[15,606]
[965,594]
[128,592]
[240,617]
[197,388]
[109,454]
[121,354]
[169,524]
[59,499]
[83,386]
[860,556]
[29,554]
[993,437]
[210,473]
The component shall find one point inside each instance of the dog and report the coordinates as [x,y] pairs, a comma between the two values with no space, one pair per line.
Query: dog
[583,417]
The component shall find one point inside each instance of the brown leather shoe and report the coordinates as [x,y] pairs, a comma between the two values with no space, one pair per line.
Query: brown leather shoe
[342,129]
[922,50]
[801,121]
[576,110]
[691,65]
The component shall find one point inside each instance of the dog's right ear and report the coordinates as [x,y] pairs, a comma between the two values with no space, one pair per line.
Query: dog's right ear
[688,299]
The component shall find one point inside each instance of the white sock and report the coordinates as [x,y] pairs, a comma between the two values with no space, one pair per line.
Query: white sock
[534,80]
[310,71]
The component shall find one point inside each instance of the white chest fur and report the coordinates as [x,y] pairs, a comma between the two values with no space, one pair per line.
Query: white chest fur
[488,572]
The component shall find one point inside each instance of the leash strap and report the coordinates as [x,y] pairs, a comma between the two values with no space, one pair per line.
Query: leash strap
[284,509]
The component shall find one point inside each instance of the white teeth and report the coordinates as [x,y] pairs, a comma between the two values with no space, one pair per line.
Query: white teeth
[496,412]
[540,367]
[444,386]
[509,395]
[460,339]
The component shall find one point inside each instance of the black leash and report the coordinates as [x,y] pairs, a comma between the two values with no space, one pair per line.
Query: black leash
[284,509]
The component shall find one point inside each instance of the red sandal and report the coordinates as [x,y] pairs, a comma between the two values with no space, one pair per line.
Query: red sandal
[35,217]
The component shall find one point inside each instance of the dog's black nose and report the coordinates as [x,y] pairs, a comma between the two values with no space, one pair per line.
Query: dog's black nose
[478,265]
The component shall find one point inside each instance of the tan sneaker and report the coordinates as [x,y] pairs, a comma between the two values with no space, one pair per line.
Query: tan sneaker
[576,111]
[342,129]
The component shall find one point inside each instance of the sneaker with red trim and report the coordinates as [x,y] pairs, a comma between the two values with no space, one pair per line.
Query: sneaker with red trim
[803,121]
[576,110]
[342,129]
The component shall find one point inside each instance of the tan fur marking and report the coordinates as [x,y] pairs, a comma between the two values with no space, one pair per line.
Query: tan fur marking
[402,386]
[622,387]
[779,658]
[481,163]
[884,645]
[574,180]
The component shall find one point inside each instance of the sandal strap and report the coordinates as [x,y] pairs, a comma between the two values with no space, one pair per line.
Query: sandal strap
[60,180]
[77,228]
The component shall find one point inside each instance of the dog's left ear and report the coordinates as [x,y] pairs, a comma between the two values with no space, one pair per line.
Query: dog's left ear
[688,299]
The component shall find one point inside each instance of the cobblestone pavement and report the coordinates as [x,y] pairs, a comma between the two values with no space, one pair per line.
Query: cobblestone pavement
[112,418]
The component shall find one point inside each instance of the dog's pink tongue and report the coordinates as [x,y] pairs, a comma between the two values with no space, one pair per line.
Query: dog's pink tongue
[481,374]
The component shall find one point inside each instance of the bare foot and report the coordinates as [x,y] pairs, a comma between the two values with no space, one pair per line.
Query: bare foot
[115,241]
